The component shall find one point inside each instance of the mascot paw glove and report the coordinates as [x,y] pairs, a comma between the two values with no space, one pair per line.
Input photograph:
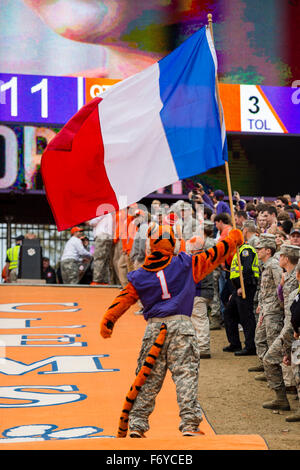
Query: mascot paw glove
[106,328]
[236,236]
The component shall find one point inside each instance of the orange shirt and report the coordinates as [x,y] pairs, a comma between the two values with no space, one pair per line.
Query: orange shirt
[225,232]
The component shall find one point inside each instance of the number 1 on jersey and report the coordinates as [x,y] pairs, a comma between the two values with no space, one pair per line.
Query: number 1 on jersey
[165,293]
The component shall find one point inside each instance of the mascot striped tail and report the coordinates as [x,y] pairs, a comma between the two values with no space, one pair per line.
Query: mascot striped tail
[140,380]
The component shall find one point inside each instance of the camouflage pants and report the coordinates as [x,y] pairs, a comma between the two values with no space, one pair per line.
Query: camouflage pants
[13,275]
[180,354]
[296,374]
[70,271]
[102,259]
[130,264]
[201,323]
[267,330]
[272,360]
[123,270]
[215,304]
[117,252]
[295,360]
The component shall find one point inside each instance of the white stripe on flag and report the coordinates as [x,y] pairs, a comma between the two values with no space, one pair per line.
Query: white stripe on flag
[214,56]
[135,146]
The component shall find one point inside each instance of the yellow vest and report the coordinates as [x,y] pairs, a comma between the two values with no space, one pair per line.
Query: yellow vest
[13,256]
[234,268]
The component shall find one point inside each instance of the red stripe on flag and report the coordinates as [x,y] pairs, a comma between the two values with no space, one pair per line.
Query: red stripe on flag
[73,170]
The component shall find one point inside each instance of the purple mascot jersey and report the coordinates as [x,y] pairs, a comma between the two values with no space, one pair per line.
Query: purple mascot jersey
[170,291]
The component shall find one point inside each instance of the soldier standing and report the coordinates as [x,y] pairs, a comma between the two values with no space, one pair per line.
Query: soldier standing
[292,355]
[272,360]
[103,230]
[270,311]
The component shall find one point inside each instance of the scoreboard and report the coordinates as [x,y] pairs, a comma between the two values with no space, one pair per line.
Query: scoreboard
[52,101]
[47,100]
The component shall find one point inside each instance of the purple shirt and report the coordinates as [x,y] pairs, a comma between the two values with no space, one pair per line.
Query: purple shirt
[170,291]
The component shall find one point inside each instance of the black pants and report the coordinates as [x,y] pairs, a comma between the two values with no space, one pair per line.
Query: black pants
[239,310]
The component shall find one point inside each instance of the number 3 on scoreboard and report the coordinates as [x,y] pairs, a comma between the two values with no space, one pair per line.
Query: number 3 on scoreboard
[165,293]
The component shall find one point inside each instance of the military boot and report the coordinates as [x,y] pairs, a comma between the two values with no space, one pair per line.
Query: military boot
[259,368]
[280,403]
[260,378]
[294,418]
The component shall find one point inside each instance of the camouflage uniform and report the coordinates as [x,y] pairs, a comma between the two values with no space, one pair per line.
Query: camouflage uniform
[102,259]
[70,271]
[273,358]
[201,323]
[122,268]
[181,355]
[290,288]
[253,241]
[295,361]
[270,321]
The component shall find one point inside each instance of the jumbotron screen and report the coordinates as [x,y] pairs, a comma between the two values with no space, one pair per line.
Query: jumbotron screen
[256,41]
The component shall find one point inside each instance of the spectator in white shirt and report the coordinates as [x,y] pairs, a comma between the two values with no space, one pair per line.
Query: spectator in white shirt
[74,252]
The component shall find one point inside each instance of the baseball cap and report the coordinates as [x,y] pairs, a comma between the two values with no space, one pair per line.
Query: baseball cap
[295,230]
[75,230]
[219,193]
[266,240]
[20,238]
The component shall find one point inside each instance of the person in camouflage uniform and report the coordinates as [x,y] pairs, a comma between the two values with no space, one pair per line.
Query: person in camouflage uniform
[272,360]
[288,284]
[270,311]
[103,234]
[73,253]
[292,353]
[166,286]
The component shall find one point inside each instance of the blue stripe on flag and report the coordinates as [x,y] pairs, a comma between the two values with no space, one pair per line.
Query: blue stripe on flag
[190,114]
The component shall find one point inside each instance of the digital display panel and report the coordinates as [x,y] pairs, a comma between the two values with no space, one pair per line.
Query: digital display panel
[33,99]
[256,42]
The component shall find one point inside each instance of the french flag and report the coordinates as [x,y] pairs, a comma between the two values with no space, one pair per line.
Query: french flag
[148,131]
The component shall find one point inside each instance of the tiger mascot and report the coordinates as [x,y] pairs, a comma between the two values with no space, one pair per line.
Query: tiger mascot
[165,285]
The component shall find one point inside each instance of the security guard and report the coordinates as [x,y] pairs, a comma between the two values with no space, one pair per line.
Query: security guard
[12,260]
[239,310]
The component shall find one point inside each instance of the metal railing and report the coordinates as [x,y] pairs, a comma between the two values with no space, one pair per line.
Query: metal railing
[52,241]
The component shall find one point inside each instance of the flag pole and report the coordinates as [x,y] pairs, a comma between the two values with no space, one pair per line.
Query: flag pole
[209,18]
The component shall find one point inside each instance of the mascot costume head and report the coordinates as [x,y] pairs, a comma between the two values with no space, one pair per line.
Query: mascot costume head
[161,246]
